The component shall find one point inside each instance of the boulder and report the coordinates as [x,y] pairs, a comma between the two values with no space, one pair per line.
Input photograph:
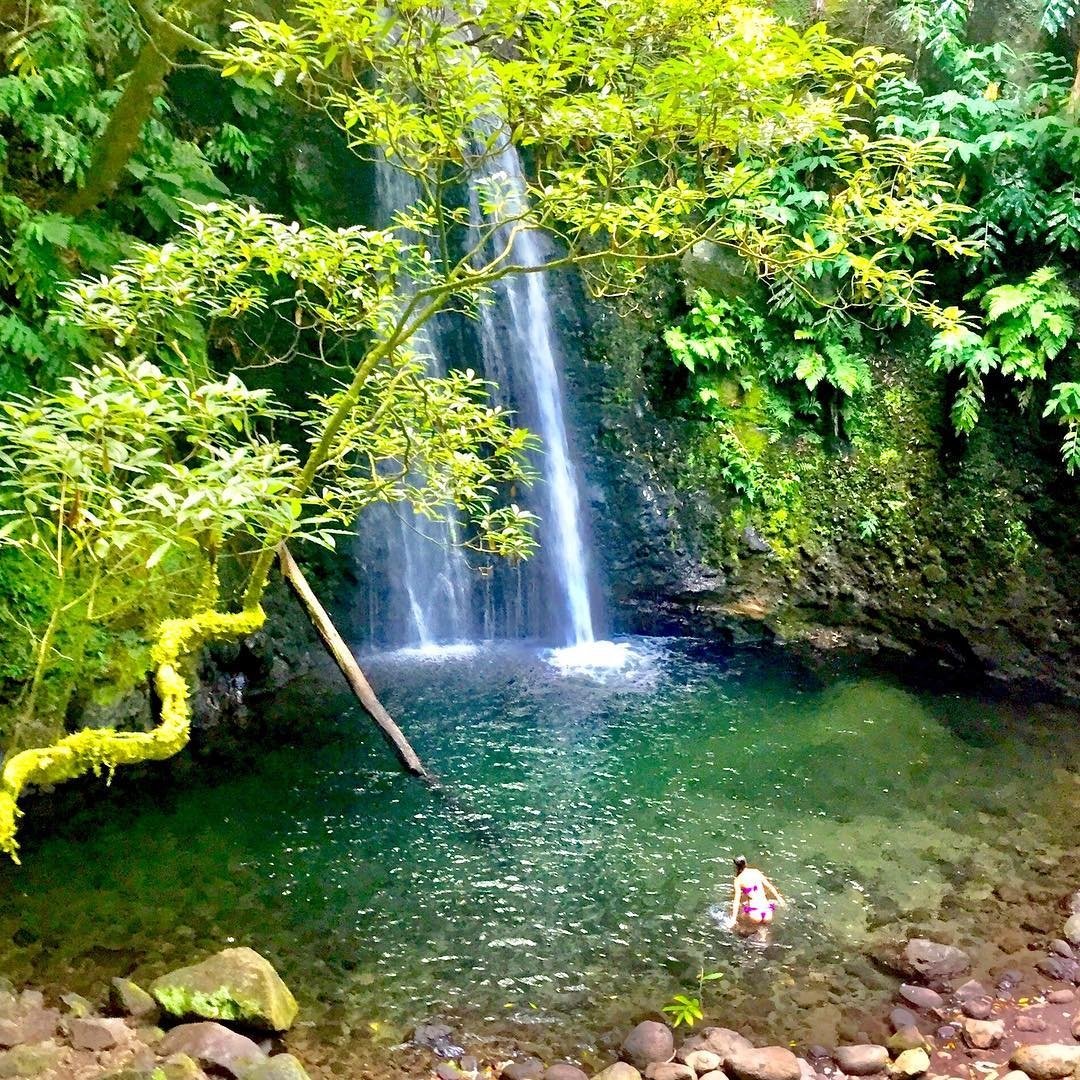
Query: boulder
[910,1063]
[768,1063]
[1051,1061]
[862,1060]
[983,1034]
[563,1070]
[526,1069]
[934,961]
[922,997]
[725,1042]
[1060,968]
[212,1044]
[669,1070]
[281,1067]
[1072,929]
[234,984]
[703,1061]
[649,1042]
[130,999]
[93,1033]
[619,1071]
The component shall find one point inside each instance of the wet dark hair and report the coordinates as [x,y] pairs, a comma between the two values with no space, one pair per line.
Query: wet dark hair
[740,864]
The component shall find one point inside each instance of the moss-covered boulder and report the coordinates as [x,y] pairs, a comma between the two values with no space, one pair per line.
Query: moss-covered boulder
[234,984]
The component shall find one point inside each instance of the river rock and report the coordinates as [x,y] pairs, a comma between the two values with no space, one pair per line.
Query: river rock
[212,1044]
[1015,1074]
[234,984]
[977,1008]
[1072,905]
[34,1025]
[907,1038]
[77,1005]
[526,1069]
[563,1070]
[717,1075]
[1075,1029]
[768,1063]
[132,1000]
[1061,997]
[971,989]
[861,1060]
[669,1070]
[1051,1061]
[93,1033]
[649,1042]
[902,1018]
[36,1060]
[983,1034]
[180,1067]
[1059,968]
[934,961]
[910,1063]
[1026,1022]
[689,1046]
[703,1061]
[1061,948]
[281,1067]
[1072,929]
[619,1071]
[806,1070]
[725,1042]
[922,997]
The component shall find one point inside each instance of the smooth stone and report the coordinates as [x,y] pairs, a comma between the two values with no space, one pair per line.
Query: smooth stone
[131,999]
[446,1070]
[430,1034]
[1062,948]
[983,1034]
[908,1038]
[647,1043]
[688,1046]
[922,997]
[902,1018]
[93,1033]
[281,1067]
[1059,968]
[1075,1032]
[933,960]
[619,1071]
[31,1060]
[1072,929]
[669,1070]
[947,1032]
[1030,1023]
[977,1008]
[234,984]
[971,989]
[718,1075]
[704,1061]
[1016,1074]
[211,1044]
[77,1005]
[725,1042]
[1061,997]
[767,1063]
[526,1069]
[563,1070]
[913,1062]
[861,1060]
[1050,1061]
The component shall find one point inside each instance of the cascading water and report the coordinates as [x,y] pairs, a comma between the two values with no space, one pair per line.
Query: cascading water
[520,355]
[418,580]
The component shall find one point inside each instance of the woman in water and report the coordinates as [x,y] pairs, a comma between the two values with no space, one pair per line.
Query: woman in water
[756,899]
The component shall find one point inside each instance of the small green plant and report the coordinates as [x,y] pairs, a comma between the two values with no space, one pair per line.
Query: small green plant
[684,1009]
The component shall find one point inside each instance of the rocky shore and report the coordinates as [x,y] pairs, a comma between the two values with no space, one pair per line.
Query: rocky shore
[230,1015]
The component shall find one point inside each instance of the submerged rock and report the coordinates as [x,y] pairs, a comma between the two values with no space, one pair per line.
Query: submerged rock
[725,1042]
[983,1034]
[93,1033]
[933,960]
[647,1043]
[34,1060]
[1053,1061]
[1058,967]
[563,1070]
[911,1063]
[977,1008]
[1072,929]
[234,984]
[669,1070]
[922,997]
[526,1069]
[907,1038]
[212,1044]
[281,1067]
[181,1067]
[862,1060]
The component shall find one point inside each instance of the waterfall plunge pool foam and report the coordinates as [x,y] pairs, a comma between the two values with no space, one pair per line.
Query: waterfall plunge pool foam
[561,884]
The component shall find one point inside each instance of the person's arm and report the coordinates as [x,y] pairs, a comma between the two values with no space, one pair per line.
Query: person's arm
[771,888]
[735,905]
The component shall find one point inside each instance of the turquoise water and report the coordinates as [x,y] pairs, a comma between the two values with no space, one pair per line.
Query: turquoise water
[565,879]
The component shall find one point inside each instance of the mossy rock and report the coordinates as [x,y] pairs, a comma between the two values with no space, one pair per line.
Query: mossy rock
[234,984]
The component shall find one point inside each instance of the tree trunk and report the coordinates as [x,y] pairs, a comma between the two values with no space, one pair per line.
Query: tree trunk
[1074,94]
[345,660]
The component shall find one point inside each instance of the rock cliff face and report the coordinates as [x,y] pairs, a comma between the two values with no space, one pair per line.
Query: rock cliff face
[904,541]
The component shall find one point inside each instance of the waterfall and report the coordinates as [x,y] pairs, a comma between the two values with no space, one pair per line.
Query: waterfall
[415,567]
[521,356]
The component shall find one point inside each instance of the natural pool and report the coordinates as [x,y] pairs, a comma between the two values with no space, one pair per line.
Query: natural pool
[565,880]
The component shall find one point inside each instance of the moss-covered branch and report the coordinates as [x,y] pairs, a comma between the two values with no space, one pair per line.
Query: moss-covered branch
[98,749]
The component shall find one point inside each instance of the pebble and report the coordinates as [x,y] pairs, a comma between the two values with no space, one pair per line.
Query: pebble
[977,1008]
[526,1069]
[922,997]
[1062,948]
[1061,997]
[862,1060]
[947,1032]
[1024,1022]
[647,1043]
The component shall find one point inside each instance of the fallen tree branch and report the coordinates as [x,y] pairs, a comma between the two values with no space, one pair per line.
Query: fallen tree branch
[345,660]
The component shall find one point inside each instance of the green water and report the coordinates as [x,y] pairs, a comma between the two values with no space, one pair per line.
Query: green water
[566,883]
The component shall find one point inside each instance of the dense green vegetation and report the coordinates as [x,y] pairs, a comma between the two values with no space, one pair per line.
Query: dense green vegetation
[203,359]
